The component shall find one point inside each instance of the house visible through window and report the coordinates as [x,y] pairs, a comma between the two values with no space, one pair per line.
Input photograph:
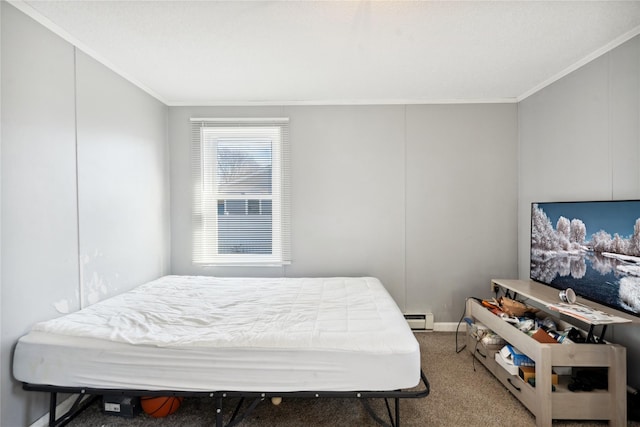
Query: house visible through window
[241,191]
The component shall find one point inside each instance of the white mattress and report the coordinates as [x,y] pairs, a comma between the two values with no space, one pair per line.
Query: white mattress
[193,333]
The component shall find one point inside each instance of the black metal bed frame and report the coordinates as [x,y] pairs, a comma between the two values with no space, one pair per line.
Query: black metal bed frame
[86,396]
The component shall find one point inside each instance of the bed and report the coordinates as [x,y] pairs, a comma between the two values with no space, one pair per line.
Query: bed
[230,337]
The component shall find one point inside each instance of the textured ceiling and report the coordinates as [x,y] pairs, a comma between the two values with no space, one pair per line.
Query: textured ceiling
[337,52]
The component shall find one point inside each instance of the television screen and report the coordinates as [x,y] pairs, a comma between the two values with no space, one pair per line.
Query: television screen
[590,247]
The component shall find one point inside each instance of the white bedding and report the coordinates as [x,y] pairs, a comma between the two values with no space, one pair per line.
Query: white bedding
[196,333]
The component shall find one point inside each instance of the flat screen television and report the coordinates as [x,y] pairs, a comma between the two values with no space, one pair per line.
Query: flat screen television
[590,247]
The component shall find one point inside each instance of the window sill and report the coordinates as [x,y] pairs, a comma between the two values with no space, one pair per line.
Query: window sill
[242,264]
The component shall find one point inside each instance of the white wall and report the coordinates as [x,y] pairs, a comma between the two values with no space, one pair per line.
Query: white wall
[84,171]
[580,140]
[461,201]
[39,222]
[404,193]
[348,193]
[123,181]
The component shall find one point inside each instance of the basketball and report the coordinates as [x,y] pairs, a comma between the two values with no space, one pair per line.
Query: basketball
[160,406]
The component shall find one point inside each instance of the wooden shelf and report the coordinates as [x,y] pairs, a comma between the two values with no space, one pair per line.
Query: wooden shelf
[546,405]
[545,295]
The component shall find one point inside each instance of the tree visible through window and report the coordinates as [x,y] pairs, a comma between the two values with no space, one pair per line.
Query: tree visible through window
[243,169]
[241,200]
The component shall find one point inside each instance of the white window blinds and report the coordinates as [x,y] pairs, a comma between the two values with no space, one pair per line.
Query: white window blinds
[241,191]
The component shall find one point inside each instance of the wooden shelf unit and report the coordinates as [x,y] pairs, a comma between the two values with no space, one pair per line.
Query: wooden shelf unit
[545,404]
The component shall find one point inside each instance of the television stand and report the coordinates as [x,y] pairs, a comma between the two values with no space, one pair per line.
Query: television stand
[545,404]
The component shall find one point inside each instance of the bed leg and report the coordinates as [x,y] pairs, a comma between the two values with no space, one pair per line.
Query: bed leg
[53,398]
[394,418]
[219,420]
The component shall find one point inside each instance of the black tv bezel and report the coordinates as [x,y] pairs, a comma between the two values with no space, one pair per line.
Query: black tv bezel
[613,307]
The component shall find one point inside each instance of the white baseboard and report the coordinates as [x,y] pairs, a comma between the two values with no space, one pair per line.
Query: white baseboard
[445,326]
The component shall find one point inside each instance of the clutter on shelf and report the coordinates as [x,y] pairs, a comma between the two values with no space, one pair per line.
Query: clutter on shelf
[524,318]
[515,357]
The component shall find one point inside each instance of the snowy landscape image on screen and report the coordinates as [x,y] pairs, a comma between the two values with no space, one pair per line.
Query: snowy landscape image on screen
[591,247]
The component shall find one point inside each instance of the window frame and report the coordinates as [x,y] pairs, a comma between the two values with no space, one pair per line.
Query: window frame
[205,232]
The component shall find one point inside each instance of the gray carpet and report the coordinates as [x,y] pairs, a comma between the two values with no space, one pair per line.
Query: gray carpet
[463,393]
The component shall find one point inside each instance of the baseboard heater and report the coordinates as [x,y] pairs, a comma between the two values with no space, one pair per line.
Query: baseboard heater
[420,322]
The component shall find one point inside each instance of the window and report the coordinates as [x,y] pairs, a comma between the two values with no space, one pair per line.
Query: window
[241,191]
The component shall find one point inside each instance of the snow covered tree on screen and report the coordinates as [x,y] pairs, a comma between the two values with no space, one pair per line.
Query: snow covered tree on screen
[578,232]
[601,241]
[568,236]
[619,245]
[563,229]
[543,236]
[634,242]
